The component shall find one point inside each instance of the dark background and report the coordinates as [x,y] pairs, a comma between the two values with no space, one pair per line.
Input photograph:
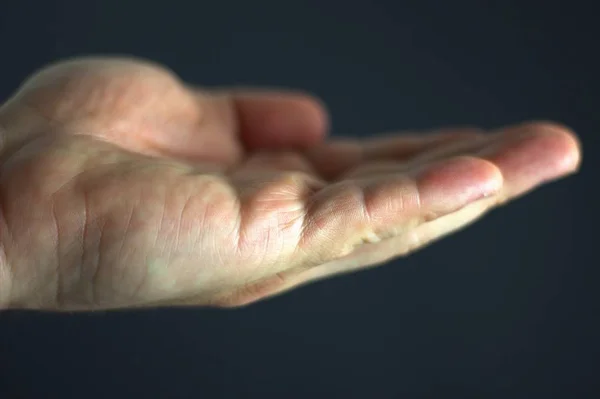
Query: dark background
[506,309]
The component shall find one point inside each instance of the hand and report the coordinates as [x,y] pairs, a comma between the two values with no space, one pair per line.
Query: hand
[122,187]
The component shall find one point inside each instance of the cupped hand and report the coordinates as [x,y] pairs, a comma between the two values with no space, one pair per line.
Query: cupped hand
[120,186]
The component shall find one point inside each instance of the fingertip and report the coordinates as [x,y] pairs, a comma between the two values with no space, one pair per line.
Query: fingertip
[557,142]
[534,153]
[561,144]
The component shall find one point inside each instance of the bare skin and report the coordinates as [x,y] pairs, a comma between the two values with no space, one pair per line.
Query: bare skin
[121,187]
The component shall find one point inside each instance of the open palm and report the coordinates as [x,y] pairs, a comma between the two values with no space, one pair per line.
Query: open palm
[122,187]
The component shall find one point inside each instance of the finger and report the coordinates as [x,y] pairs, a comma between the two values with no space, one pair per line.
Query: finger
[222,125]
[542,146]
[532,154]
[528,154]
[506,138]
[341,156]
[268,120]
[350,213]
[406,146]
[545,153]
[373,255]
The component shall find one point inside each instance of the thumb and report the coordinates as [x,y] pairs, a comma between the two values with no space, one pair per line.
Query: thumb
[273,119]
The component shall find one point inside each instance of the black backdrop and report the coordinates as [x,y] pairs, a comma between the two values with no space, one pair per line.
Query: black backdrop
[506,309]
